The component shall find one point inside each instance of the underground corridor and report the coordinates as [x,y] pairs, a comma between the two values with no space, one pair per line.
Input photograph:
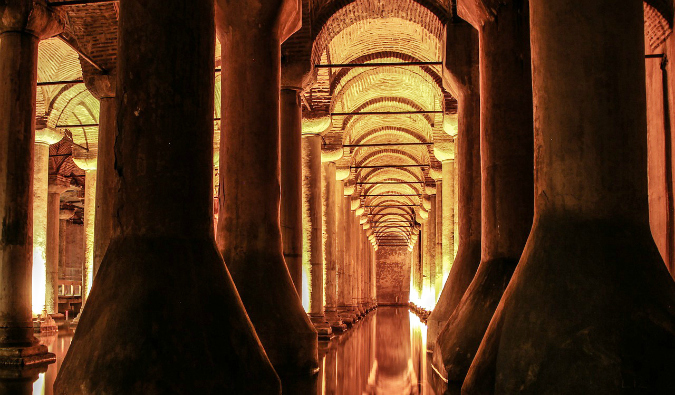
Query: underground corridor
[382,197]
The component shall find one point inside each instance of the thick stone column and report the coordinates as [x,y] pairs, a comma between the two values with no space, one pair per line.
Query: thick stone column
[591,307]
[43,139]
[507,180]
[313,230]
[461,77]
[57,185]
[291,183]
[249,232]
[106,223]
[330,245]
[164,263]
[22,25]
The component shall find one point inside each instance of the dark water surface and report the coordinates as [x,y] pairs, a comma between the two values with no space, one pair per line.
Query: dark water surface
[382,354]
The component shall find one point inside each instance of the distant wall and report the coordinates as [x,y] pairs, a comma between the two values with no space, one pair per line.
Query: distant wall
[393,275]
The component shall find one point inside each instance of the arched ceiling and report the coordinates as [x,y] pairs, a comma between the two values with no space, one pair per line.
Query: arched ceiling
[334,32]
[389,154]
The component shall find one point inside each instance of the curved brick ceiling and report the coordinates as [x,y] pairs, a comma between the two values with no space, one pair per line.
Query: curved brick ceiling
[334,31]
[379,31]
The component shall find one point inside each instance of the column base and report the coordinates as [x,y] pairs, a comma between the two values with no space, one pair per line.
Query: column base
[335,322]
[347,316]
[25,356]
[459,338]
[323,329]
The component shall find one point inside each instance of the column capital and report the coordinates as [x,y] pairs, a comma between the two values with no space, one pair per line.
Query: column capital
[66,213]
[58,184]
[451,124]
[316,125]
[48,136]
[436,174]
[342,173]
[331,155]
[85,160]
[444,150]
[102,86]
[32,17]
[282,17]
[296,74]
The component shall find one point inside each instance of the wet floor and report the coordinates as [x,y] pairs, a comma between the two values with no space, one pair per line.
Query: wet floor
[382,354]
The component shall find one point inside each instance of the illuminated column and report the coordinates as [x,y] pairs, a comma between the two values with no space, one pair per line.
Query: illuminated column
[591,295]
[462,77]
[311,173]
[342,213]
[356,235]
[354,203]
[330,241]
[291,183]
[105,224]
[57,186]
[22,25]
[438,233]
[448,215]
[431,252]
[507,154]
[87,160]
[43,138]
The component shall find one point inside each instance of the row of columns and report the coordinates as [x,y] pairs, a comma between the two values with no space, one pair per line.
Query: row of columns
[567,246]
[336,247]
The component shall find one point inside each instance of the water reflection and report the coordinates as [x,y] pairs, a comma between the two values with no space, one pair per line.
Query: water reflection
[385,353]
[37,381]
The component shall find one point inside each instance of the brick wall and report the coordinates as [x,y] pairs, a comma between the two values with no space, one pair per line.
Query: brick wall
[393,275]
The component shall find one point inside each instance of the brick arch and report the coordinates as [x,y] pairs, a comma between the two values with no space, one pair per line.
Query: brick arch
[372,57]
[332,17]
[658,21]
[406,103]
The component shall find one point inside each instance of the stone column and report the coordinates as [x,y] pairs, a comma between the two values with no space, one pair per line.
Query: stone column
[440,275]
[343,267]
[591,299]
[330,245]
[43,139]
[87,160]
[164,262]
[448,216]
[291,183]
[461,76]
[356,237]
[507,179]
[314,241]
[249,232]
[105,221]
[22,25]
[431,252]
[57,185]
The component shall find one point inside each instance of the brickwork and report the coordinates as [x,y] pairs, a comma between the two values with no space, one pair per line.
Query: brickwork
[393,275]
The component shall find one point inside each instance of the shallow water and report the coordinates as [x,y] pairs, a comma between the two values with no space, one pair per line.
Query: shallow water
[382,354]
